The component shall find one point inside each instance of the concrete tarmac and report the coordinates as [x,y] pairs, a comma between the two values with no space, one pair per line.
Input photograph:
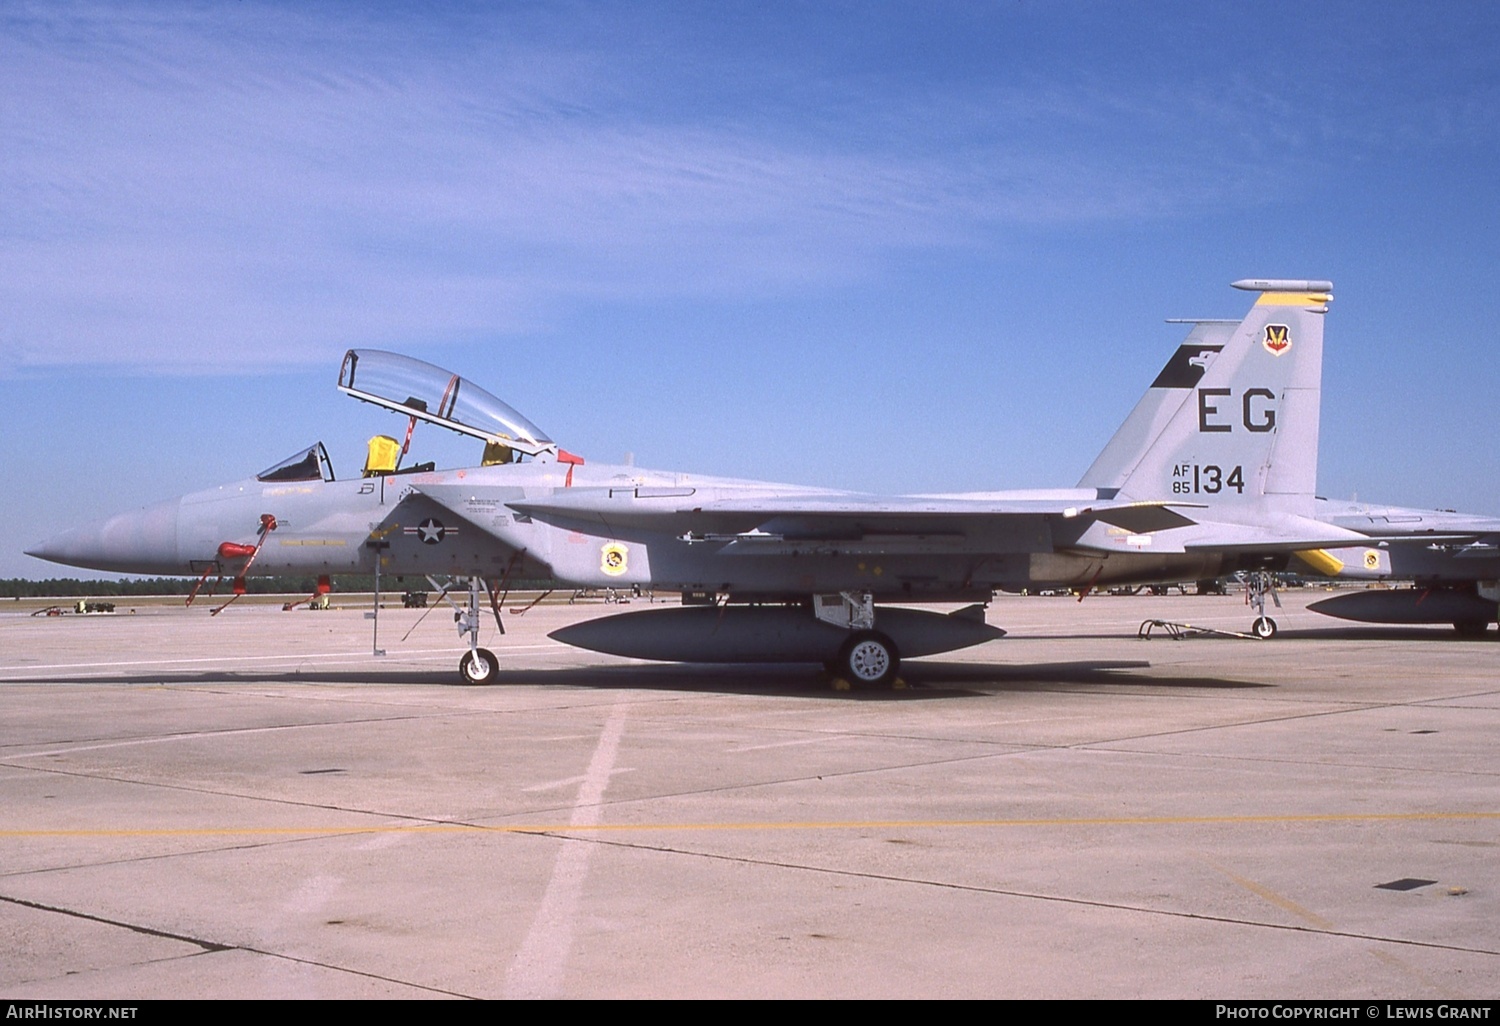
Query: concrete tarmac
[254,806]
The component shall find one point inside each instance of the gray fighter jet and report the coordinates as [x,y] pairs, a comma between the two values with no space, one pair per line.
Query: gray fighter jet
[1452,558]
[1212,473]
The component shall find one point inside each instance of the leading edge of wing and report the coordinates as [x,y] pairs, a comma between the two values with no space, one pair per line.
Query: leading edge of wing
[609,507]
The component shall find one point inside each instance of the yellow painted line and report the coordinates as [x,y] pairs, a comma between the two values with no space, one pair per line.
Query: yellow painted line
[1293,299]
[1280,901]
[890,824]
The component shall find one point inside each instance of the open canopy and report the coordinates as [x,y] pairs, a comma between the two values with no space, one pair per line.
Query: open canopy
[439,397]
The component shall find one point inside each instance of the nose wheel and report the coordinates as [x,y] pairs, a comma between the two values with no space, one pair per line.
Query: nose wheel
[478,666]
[1258,585]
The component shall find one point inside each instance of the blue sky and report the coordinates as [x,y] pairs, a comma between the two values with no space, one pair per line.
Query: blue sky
[892,247]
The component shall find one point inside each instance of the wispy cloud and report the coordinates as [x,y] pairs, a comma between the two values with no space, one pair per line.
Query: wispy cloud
[284,182]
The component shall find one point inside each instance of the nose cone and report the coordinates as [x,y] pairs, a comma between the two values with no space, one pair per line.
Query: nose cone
[142,542]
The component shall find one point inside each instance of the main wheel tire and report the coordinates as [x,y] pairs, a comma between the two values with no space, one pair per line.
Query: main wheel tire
[479,667]
[869,658]
[1264,628]
[1471,628]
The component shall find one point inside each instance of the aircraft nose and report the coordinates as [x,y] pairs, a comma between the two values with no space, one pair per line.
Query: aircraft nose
[142,542]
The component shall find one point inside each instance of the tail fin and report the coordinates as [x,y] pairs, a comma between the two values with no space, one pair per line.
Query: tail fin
[1232,419]
[1155,410]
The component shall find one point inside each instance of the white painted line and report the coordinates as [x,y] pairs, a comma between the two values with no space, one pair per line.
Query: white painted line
[362,657]
[537,971]
[791,744]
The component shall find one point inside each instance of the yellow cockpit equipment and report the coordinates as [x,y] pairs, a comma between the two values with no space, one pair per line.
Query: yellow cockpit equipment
[497,452]
[384,454]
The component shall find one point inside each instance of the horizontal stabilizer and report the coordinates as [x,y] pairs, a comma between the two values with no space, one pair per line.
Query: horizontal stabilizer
[1284,533]
[1146,517]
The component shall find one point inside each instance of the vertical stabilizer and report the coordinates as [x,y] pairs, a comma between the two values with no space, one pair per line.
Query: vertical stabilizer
[1232,420]
[1166,395]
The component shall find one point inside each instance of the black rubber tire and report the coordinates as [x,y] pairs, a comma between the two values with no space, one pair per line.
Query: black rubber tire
[1471,628]
[479,667]
[1264,628]
[869,659]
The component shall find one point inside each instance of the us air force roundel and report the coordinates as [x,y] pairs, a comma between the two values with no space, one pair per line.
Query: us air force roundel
[430,531]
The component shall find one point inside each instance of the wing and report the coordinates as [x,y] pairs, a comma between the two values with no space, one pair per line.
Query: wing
[834,515]
[770,524]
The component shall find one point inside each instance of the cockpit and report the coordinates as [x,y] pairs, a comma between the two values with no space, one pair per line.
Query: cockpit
[423,392]
[311,464]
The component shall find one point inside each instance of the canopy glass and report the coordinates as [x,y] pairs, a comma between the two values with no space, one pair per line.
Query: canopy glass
[440,397]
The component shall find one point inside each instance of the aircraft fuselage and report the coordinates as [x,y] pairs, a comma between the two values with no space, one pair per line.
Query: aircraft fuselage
[343,527]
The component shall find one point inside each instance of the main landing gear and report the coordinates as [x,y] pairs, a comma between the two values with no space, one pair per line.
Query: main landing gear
[867,658]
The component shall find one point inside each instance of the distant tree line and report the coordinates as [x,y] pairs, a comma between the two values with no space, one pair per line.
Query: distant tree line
[72,587]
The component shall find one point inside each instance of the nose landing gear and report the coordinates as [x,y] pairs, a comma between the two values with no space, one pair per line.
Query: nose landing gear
[1259,584]
[478,665]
